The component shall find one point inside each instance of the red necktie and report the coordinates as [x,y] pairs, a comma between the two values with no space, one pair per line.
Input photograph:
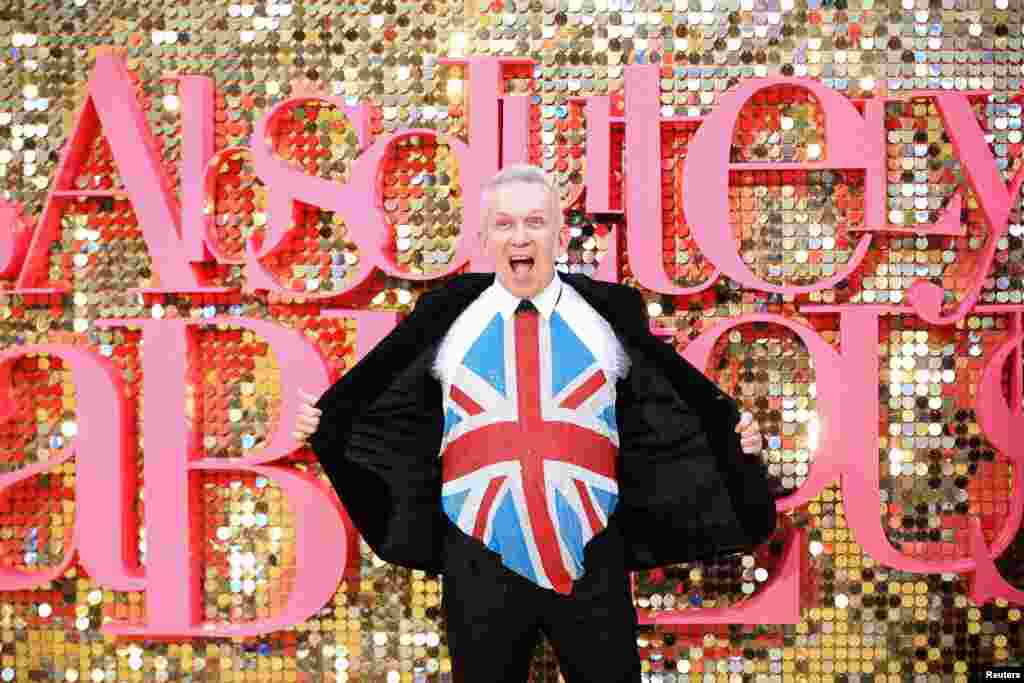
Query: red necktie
[532,462]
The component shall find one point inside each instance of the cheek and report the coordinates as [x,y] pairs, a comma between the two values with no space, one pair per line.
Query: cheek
[497,250]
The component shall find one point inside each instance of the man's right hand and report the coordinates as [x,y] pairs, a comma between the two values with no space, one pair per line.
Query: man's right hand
[308,417]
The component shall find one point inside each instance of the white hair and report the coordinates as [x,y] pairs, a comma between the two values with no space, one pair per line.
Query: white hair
[517,173]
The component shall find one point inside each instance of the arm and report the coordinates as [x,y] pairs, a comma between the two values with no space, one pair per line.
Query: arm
[688,491]
[377,438]
[362,385]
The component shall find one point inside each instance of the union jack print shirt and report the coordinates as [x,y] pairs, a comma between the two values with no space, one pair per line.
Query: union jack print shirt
[530,438]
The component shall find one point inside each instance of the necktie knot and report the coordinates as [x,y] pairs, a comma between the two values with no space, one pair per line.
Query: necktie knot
[525,306]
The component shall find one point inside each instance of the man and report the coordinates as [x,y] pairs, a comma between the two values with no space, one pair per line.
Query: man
[524,434]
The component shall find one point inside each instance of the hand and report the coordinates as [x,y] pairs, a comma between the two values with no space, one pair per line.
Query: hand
[750,434]
[308,417]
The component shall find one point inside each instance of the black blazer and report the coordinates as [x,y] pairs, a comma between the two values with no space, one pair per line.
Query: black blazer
[686,489]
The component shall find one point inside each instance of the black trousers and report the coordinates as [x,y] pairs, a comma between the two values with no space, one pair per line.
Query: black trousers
[494,616]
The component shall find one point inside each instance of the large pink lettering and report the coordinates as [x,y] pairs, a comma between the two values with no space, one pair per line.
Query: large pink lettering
[854,142]
[848,407]
[995,199]
[111,105]
[172,572]
[859,424]
[499,134]
[1000,418]
[104,450]
[643,204]
[358,200]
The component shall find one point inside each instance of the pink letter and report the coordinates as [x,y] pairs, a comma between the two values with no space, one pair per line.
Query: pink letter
[860,441]
[995,199]
[112,106]
[853,143]
[359,200]
[1000,421]
[104,449]
[643,183]
[172,572]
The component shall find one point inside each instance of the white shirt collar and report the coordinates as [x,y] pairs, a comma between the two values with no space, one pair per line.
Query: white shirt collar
[544,300]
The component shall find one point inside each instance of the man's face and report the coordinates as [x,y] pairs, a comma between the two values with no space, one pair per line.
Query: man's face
[523,237]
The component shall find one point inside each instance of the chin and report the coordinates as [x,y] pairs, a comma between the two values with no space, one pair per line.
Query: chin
[523,291]
[526,291]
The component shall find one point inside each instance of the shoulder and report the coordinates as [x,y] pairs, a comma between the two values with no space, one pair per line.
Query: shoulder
[622,305]
[463,286]
[587,285]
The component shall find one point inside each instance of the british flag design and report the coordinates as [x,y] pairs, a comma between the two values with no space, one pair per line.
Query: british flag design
[530,444]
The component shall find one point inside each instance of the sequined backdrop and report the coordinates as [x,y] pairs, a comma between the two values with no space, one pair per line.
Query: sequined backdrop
[860,621]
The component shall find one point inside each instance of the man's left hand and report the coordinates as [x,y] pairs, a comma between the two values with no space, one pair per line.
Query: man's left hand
[750,434]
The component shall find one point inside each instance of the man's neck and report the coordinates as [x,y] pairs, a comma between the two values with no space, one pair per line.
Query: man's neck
[540,289]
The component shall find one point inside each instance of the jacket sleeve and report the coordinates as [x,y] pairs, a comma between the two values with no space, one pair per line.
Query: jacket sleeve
[688,492]
[377,441]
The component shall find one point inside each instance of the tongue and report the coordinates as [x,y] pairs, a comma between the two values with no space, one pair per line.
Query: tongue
[520,267]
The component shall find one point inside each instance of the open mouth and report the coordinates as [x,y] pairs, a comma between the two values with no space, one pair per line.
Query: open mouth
[521,265]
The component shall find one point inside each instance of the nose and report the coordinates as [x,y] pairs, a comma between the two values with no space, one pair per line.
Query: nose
[520,234]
